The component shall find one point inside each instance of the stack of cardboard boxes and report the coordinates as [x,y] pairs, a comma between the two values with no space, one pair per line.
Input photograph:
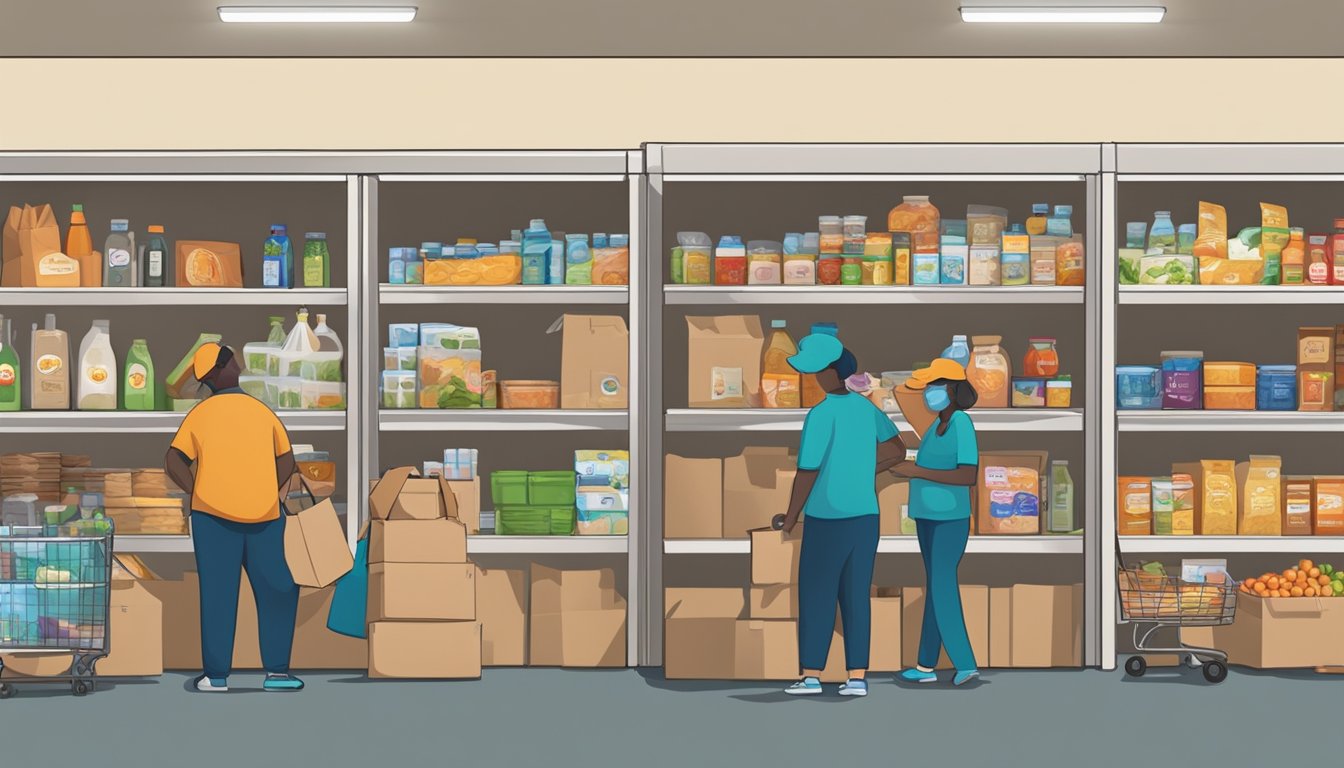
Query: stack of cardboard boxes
[422,588]
[577,618]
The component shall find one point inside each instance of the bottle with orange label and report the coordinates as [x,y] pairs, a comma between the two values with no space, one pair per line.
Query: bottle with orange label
[1319,260]
[96,388]
[780,383]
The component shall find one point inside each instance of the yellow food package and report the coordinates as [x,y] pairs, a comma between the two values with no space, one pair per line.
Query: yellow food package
[1218,500]
[611,266]
[1135,506]
[1211,237]
[1261,480]
[503,269]
[1216,270]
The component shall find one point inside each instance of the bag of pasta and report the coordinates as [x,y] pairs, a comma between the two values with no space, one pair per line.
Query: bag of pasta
[989,372]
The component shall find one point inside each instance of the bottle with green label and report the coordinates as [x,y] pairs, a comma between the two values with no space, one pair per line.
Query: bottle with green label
[138,384]
[10,379]
[316,261]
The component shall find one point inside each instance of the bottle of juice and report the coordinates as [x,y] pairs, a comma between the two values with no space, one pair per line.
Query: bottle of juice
[277,259]
[1162,236]
[536,253]
[154,257]
[79,246]
[50,367]
[1337,253]
[138,383]
[118,264]
[11,380]
[958,351]
[1040,214]
[812,391]
[780,383]
[316,261]
[1294,257]
[1061,519]
[97,390]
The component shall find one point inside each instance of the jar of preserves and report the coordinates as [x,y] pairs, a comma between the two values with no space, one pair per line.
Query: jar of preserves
[1042,358]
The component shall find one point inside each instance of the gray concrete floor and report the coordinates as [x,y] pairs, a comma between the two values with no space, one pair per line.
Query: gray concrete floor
[526,717]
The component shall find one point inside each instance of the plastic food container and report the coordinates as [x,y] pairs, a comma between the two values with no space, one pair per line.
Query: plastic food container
[1182,381]
[260,358]
[320,366]
[288,392]
[254,386]
[534,521]
[1138,387]
[1028,393]
[529,394]
[1059,392]
[508,488]
[323,395]
[1276,388]
[398,389]
[551,488]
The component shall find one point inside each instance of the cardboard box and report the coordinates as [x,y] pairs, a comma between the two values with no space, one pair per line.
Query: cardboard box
[438,650]
[181,611]
[1000,627]
[577,619]
[1327,509]
[779,601]
[768,650]
[700,633]
[1002,510]
[724,366]
[1278,633]
[422,591]
[893,501]
[315,646]
[1298,502]
[417,541]
[692,498]
[594,361]
[467,496]
[885,650]
[1134,506]
[975,609]
[1047,626]
[501,607]
[757,485]
[402,495]
[774,556]
[135,629]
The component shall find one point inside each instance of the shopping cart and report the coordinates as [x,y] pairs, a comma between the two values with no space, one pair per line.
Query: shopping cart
[1152,602]
[54,598]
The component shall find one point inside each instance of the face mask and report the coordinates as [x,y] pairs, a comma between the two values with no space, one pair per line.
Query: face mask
[936,398]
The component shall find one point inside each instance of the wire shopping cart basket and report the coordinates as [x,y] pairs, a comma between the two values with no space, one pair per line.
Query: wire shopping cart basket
[54,598]
[1152,602]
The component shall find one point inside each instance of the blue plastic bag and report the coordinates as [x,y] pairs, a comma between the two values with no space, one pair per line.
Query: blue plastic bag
[350,600]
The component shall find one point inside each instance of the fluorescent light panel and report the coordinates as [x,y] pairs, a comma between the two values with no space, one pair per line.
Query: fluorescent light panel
[316,14]
[1077,14]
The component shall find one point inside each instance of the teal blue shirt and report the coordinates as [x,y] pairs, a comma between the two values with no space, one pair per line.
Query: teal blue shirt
[957,446]
[839,442]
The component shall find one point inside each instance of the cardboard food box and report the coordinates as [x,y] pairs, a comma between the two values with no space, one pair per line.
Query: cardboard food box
[421,591]
[774,556]
[401,494]
[1316,347]
[893,501]
[884,654]
[778,601]
[1000,627]
[135,629]
[595,361]
[1134,507]
[1298,502]
[208,264]
[577,619]
[1047,626]
[1278,633]
[467,496]
[1009,492]
[757,485]
[33,255]
[692,498]
[1262,505]
[181,615]
[438,650]
[1217,509]
[315,646]
[501,607]
[724,367]
[1327,516]
[768,650]
[417,541]
[975,609]
[700,633]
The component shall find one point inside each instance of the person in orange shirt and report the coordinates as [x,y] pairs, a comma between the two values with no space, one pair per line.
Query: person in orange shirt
[242,458]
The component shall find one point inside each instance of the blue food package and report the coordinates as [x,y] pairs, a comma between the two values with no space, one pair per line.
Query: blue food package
[403,334]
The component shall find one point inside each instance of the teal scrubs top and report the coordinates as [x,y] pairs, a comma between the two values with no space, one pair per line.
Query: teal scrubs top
[839,442]
[957,446]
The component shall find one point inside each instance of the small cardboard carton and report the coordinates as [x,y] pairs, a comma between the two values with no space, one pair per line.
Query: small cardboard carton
[1000,627]
[778,601]
[501,607]
[577,619]
[417,541]
[594,361]
[701,633]
[467,495]
[422,591]
[975,609]
[402,494]
[768,650]
[1047,626]
[774,556]
[893,501]
[692,498]
[135,630]
[437,650]
[315,646]
[757,485]
[1278,633]
[885,648]
[724,367]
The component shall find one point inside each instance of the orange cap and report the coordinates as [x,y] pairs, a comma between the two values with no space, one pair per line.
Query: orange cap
[942,368]
[205,359]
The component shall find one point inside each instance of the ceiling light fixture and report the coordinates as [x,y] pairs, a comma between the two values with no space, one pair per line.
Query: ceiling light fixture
[1074,14]
[316,14]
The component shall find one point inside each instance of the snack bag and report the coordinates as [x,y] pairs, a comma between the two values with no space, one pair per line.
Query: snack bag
[1274,236]
[1211,241]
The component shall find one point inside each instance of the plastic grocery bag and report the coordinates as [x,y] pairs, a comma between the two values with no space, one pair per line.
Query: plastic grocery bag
[350,599]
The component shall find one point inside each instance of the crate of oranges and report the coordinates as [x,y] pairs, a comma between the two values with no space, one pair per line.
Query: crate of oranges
[1307,579]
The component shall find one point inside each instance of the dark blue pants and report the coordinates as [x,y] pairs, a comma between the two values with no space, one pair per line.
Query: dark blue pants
[223,549]
[836,564]
[942,543]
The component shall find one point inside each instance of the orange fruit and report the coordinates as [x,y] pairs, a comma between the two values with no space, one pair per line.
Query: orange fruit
[1248,583]
[1314,572]
[1259,586]
[1323,580]
[1272,582]
[1290,575]
[1305,565]
[1309,592]
[1296,591]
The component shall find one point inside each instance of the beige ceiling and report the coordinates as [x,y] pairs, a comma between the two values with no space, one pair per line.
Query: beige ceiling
[717,28]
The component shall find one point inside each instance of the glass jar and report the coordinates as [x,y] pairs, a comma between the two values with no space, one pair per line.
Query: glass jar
[1042,358]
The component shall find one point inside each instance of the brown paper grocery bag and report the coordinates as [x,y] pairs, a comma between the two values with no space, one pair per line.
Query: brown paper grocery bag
[315,545]
[9,256]
[42,264]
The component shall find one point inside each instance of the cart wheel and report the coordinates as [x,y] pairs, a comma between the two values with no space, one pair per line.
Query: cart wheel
[6,691]
[1136,666]
[1215,671]
[79,688]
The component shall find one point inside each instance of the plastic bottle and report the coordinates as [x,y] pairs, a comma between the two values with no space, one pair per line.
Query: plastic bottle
[1162,235]
[579,261]
[327,340]
[97,388]
[154,257]
[1061,519]
[11,379]
[138,382]
[277,334]
[780,383]
[118,263]
[79,246]
[536,253]
[812,391]
[555,264]
[277,259]
[50,367]
[958,351]
[317,261]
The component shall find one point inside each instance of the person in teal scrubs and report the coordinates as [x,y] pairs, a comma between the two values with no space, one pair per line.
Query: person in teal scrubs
[941,478]
[846,442]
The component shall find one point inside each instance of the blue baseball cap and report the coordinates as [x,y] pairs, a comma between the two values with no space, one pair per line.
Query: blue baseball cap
[816,353]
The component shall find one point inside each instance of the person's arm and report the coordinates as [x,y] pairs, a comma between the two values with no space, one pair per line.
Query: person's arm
[178,468]
[815,443]
[964,474]
[285,466]
[890,446]
[803,483]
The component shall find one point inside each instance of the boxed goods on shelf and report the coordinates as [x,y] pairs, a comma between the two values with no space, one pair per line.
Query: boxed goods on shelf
[757,485]
[430,591]
[448,650]
[700,640]
[577,619]
[774,556]
[534,256]
[1009,492]
[725,361]
[501,608]
[595,361]
[773,601]
[692,498]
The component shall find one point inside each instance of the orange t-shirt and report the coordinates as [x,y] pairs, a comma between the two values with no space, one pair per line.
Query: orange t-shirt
[234,439]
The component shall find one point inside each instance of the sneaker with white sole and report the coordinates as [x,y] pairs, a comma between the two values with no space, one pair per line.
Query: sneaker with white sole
[854,687]
[207,685]
[916,675]
[808,686]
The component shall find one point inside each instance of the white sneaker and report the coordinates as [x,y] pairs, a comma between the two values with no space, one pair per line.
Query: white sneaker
[854,688]
[808,686]
[206,685]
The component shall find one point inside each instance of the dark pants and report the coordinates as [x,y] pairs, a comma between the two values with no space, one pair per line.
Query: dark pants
[223,549]
[836,564]
[942,543]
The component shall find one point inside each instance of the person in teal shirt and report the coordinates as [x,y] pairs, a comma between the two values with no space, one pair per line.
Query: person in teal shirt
[941,477]
[846,442]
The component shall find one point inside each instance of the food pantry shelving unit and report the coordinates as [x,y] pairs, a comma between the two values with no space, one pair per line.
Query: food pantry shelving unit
[765,190]
[1252,323]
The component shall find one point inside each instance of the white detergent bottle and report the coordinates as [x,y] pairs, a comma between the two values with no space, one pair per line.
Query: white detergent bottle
[327,340]
[97,386]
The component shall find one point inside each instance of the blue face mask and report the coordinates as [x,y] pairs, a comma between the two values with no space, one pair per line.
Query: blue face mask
[936,398]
